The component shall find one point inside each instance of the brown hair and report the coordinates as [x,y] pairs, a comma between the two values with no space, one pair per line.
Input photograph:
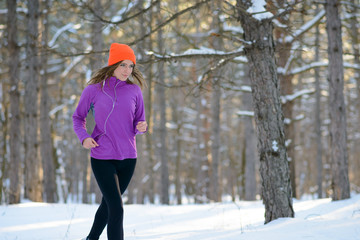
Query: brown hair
[104,73]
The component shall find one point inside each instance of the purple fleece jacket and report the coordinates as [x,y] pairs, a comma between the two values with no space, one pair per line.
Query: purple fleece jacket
[117,108]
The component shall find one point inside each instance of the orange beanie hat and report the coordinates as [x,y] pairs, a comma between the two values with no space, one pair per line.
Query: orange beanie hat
[119,52]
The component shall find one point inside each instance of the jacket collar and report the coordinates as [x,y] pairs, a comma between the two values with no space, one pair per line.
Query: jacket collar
[113,81]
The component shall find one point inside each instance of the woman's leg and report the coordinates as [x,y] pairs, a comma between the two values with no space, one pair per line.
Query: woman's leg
[100,221]
[124,171]
[102,169]
[112,176]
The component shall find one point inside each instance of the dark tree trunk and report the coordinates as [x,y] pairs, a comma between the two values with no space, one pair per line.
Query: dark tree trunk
[338,136]
[46,147]
[162,128]
[319,154]
[217,44]
[250,150]
[96,62]
[289,127]
[274,169]
[33,175]
[15,136]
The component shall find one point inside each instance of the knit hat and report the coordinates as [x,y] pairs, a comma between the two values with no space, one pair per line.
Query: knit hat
[119,52]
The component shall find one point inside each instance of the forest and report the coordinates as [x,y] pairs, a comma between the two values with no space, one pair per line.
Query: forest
[244,99]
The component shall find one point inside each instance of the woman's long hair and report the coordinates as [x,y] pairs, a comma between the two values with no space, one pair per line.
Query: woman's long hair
[104,73]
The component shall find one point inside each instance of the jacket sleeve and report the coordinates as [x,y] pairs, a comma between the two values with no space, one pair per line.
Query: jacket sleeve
[79,116]
[139,111]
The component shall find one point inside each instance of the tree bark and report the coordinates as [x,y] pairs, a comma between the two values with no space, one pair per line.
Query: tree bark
[250,150]
[289,128]
[274,169]
[177,113]
[15,134]
[150,185]
[319,154]
[338,135]
[33,168]
[46,146]
[354,34]
[217,44]
[162,128]
[96,62]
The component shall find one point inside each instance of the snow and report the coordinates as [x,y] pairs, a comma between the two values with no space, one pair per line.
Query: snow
[258,10]
[275,146]
[320,219]
[245,113]
[201,51]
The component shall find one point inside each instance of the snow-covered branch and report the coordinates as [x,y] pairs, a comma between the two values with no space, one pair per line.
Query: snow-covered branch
[19,10]
[312,65]
[200,53]
[292,97]
[61,106]
[60,31]
[73,63]
[304,28]
[245,113]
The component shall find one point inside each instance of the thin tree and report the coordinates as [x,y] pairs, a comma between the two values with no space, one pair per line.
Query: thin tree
[274,169]
[217,44]
[148,183]
[46,146]
[319,153]
[338,135]
[250,145]
[96,62]
[33,168]
[162,127]
[15,134]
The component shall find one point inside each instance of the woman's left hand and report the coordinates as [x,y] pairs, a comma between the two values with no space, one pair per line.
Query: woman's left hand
[141,126]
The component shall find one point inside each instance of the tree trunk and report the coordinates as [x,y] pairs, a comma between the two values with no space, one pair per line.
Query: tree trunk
[317,116]
[274,169]
[217,44]
[162,127]
[177,105]
[96,62]
[200,158]
[33,168]
[289,128]
[250,150]
[15,134]
[354,34]
[338,136]
[46,146]
[147,187]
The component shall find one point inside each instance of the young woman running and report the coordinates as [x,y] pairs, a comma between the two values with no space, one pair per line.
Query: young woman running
[118,109]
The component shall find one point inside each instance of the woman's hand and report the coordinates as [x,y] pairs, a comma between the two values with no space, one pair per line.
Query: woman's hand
[89,143]
[141,126]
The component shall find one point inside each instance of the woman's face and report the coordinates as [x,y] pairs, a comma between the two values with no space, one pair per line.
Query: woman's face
[124,70]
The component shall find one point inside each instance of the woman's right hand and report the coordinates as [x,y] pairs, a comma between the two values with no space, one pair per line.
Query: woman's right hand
[89,143]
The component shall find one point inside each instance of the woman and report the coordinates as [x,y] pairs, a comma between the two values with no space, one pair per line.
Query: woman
[118,109]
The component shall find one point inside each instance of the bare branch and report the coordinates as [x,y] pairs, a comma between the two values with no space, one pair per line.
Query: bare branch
[122,20]
[173,17]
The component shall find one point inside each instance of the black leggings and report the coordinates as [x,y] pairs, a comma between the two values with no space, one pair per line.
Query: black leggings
[113,177]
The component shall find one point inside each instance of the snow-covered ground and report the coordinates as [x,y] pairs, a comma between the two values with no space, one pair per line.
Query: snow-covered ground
[315,219]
